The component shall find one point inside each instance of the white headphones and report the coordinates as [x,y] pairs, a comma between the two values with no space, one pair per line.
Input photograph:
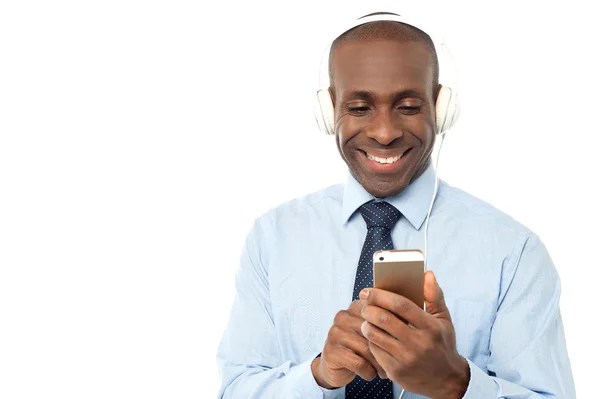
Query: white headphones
[447,107]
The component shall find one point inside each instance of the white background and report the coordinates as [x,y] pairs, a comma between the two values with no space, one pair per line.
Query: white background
[139,140]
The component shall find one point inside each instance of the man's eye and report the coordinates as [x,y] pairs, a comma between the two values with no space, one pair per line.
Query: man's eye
[358,110]
[409,110]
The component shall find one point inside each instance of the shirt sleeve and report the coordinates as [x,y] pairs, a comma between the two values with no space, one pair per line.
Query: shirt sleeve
[528,352]
[248,357]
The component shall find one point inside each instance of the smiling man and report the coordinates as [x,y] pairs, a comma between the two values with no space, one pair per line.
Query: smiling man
[385,92]
[305,323]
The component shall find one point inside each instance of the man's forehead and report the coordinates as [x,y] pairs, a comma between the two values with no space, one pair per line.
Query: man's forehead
[372,49]
[382,60]
[363,42]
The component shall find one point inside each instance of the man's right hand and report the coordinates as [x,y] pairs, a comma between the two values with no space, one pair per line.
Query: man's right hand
[346,352]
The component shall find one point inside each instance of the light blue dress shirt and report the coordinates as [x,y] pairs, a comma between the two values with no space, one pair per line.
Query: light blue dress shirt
[297,271]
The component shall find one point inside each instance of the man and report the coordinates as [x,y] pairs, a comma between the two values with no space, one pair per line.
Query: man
[295,331]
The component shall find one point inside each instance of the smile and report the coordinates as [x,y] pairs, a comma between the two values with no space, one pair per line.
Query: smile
[384,160]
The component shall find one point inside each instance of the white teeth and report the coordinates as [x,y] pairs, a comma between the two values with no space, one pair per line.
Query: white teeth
[384,160]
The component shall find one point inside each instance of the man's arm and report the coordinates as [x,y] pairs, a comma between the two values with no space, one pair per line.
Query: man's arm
[528,353]
[249,358]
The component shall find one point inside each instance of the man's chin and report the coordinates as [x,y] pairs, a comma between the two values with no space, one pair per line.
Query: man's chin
[383,187]
[384,191]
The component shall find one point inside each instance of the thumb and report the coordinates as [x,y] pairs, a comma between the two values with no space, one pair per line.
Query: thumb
[434,297]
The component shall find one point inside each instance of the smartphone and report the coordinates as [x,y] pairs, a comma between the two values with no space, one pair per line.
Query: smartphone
[400,271]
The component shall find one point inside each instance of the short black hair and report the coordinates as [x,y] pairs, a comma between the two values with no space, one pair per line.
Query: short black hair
[386,30]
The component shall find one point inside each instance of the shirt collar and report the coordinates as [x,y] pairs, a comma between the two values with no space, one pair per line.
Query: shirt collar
[413,202]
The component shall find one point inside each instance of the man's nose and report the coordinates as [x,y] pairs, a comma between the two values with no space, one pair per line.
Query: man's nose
[384,129]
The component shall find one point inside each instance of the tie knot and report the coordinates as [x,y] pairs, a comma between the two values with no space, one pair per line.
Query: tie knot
[380,214]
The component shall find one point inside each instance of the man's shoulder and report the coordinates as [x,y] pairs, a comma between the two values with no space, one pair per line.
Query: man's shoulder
[472,209]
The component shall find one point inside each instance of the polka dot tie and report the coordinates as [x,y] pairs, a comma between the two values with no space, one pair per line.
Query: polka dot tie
[380,218]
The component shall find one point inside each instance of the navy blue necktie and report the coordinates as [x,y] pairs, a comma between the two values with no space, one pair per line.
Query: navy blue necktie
[380,218]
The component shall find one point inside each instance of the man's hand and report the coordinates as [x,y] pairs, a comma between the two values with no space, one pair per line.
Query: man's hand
[416,349]
[346,352]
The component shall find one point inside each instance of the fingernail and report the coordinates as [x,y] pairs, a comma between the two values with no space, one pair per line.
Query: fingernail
[363,326]
[383,376]
[364,294]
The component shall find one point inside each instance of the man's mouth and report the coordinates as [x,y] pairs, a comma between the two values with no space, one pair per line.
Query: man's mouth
[379,162]
[384,160]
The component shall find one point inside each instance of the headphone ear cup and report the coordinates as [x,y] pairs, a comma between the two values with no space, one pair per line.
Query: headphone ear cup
[441,108]
[324,111]
[446,110]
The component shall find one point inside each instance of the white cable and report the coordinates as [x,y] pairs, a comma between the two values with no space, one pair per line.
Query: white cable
[435,190]
[401,394]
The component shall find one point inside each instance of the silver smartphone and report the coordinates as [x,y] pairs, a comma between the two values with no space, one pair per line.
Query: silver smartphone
[400,271]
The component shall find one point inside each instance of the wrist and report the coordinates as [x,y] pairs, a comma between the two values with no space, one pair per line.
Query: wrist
[459,384]
[315,368]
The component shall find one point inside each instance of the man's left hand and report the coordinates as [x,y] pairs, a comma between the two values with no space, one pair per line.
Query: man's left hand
[416,349]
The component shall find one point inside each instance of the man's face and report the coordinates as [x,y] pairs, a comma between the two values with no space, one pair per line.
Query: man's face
[384,111]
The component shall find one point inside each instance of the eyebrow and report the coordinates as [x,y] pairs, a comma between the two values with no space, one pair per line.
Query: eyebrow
[370,96]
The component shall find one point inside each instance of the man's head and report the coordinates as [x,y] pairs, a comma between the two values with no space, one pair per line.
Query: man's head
[384,83]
